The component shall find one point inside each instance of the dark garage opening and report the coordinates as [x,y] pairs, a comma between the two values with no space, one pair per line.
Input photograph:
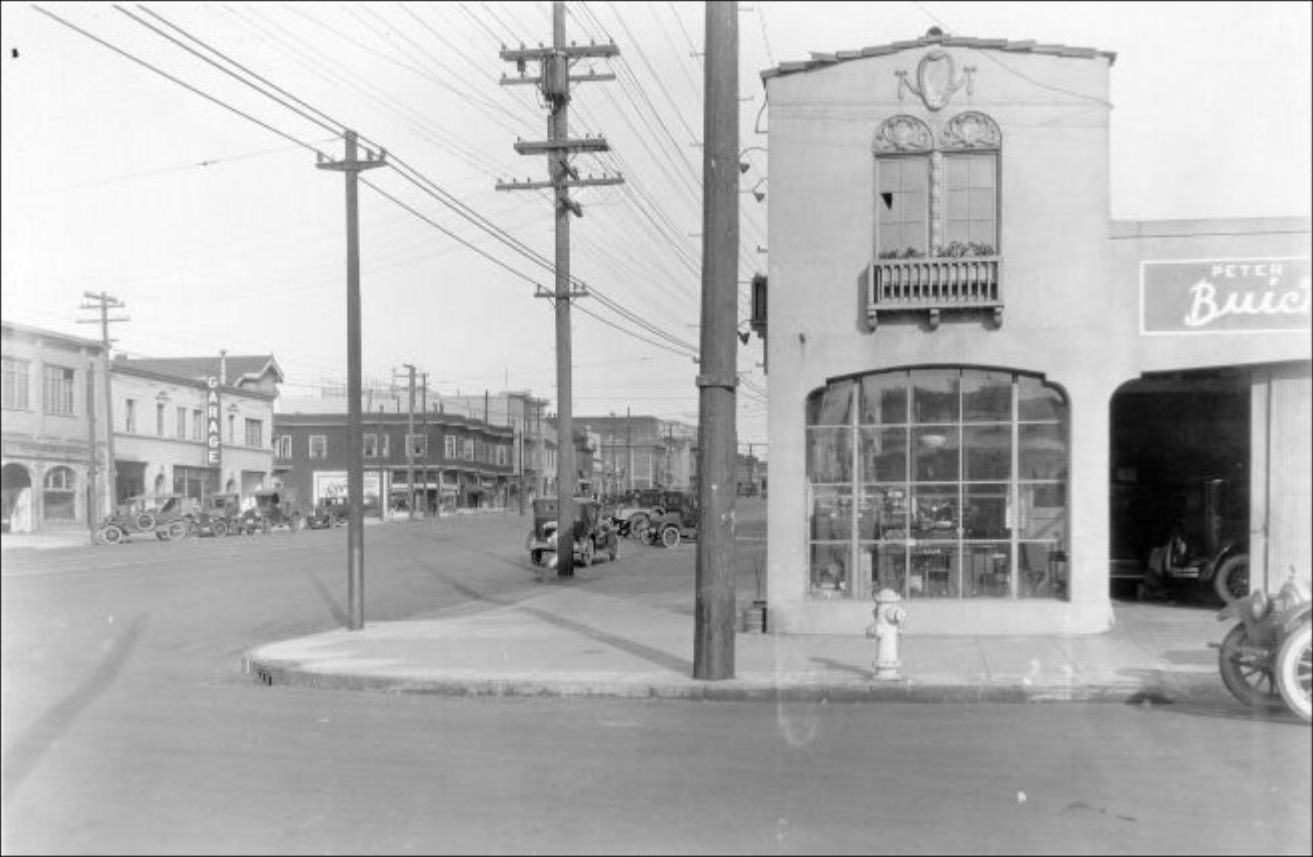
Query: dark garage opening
[1180,458]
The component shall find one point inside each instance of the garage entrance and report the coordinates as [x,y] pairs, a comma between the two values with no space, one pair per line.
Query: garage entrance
[1180,464]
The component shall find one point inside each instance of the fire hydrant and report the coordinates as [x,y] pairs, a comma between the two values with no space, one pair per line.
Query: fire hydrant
[889,618]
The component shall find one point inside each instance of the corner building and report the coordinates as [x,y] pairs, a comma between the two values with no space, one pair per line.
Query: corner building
[971,367]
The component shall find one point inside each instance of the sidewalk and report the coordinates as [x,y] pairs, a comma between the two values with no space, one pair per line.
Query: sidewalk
[568,641]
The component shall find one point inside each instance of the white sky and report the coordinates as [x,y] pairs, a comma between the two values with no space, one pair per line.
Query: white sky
[104,187]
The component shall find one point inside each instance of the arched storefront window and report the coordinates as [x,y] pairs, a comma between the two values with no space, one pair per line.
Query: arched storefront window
[60,494]
[938,483]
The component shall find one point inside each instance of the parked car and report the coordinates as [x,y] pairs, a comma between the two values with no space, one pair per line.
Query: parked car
[162,515]
[676,522]
[329,512]
[593,533]
[218,515]
[273,508]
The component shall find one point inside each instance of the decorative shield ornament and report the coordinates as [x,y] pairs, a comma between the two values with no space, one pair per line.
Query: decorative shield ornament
[936,78]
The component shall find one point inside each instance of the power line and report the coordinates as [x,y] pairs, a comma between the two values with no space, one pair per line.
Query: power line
[186,86]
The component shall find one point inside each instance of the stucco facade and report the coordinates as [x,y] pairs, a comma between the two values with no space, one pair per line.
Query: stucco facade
[1015,314]
[192,430]
[54,452]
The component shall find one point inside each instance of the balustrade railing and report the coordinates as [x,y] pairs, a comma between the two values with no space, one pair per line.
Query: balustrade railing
[934,284]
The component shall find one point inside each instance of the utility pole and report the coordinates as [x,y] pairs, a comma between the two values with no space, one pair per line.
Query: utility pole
[554,80]
[714,607]
[410,448]
[104,303]
[629,450]
[93,512]
[424,422]
[355,473]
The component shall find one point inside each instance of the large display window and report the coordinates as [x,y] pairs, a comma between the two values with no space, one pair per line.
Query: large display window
[937,483]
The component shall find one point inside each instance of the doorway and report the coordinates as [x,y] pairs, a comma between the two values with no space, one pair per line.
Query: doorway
[1180,460]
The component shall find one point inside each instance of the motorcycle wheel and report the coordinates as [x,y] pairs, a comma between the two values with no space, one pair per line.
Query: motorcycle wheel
[1232,578]
[1295,670]
[1246,676]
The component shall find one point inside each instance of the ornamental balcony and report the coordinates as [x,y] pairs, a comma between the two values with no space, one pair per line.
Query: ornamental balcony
[933,284]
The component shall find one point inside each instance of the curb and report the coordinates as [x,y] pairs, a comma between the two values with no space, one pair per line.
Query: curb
[905,690]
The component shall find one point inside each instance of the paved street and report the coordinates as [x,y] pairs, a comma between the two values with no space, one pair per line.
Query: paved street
[128,727]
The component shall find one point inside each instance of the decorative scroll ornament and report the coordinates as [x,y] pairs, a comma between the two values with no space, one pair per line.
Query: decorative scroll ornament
[971,130]
[936,80]
[903,134]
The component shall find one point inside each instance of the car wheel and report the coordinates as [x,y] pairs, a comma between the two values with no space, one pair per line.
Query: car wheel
[145,521]
[1246,675]
[219,528]
[670,536]
[1232,578]
[111,535]
[1294,671]
[177,530]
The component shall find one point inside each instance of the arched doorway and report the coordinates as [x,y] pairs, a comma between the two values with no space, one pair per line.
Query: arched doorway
[16,499]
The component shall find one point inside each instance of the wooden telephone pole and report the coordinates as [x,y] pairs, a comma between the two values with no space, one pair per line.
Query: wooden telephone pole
[355,472]
[714,606]
[554,80]
[104,303]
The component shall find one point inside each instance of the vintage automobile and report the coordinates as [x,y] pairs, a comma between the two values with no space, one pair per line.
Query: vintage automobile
[273,508]
[593,533]
[1207,548]
[329,512]
[162,515]
[676,520]
[218,515]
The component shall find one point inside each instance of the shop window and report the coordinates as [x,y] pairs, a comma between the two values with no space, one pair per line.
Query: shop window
[58,390]
[937,483]
[14,374]
[60,494]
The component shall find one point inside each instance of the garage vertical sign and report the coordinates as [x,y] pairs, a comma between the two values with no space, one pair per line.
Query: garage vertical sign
[212,448]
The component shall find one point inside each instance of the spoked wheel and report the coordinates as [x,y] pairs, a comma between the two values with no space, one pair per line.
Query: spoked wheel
[670,537]
[111,535]
[220,528]
[177,530]
[1294,671]
[145,521]
[1245,673]
[1232,578]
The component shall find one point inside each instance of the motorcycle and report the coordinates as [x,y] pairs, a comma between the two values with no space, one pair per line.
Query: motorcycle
[1267,657]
